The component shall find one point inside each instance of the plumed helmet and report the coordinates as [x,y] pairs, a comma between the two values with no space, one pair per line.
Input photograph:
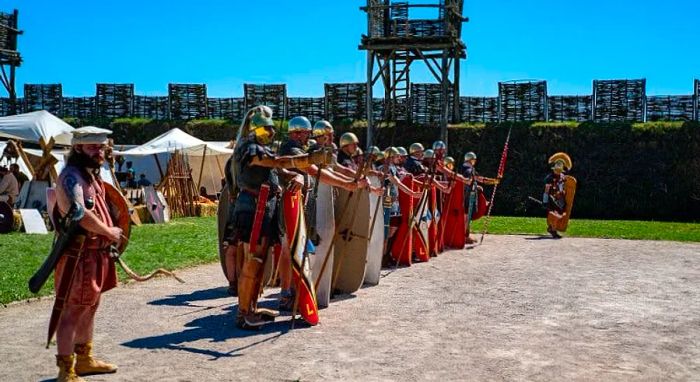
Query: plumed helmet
[415,148]
[321,128]
[297,124]
[561,157]
[439,145]
[402,151]
[429,154]
[469,156]
[347,139]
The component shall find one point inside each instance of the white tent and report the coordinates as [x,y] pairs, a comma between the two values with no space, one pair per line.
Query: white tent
[22,166]
[60,155]
[207,160]
[30,127]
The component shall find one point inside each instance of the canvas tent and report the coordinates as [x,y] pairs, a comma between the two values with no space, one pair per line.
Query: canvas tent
[22,165]
[59,154]
[207,160]
[30,127]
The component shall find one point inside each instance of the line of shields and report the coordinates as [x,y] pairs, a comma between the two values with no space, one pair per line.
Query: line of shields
[352,251]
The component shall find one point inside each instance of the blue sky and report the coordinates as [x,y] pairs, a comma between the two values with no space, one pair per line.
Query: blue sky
[307,43]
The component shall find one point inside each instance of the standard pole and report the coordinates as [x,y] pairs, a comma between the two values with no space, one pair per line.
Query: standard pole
[368,100]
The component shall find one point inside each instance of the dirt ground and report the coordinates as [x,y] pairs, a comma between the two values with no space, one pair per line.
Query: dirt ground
[516,308]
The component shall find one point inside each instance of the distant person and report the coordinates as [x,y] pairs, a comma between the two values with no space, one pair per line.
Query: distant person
[19,175]
[9,188]
[143,182]
[203,193]
[558,196]
[130,175]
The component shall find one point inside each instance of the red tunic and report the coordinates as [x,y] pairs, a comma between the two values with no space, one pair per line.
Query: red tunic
[95,272]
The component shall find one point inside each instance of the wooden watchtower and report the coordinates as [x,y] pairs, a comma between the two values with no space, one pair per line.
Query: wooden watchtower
[9,56]
[394,40]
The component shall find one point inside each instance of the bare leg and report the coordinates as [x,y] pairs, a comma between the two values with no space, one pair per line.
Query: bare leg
[285,267]
[469,239]
[68,326]
[230,261]
[392,232]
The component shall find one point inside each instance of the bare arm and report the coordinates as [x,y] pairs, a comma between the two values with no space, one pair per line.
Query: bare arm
[442,186]
[4,184]
[345,171]
[90,221]
[487,181]
[331,178]
[455,176]
[403,188]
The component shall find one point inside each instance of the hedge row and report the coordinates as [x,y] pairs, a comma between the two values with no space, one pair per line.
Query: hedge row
[624,170]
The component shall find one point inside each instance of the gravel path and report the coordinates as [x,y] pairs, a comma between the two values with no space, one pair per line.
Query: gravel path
[516,308]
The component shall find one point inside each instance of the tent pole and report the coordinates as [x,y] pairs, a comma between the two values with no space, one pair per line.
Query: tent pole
[160,169]
[201,169]
[24,157]
[218,164]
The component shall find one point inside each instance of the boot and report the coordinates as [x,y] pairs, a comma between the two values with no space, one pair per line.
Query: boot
[553,232]
[66,369]
[248,286]
[286,303]
[85,364]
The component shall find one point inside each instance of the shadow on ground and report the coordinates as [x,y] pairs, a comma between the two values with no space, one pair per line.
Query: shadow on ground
[215,328]
[542,237]
[190,298]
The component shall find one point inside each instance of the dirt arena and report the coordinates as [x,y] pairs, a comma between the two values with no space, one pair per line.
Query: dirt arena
[516,308]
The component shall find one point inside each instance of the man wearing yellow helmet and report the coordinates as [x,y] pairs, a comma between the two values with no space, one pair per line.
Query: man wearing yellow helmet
[254,172]
[558,197]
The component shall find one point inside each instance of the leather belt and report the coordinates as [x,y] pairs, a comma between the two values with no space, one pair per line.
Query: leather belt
[250,191]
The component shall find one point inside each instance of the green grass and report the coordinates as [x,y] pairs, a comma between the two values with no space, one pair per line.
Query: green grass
[181,243]
[658,125]
[607,229]
[556,124]
[192,241]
